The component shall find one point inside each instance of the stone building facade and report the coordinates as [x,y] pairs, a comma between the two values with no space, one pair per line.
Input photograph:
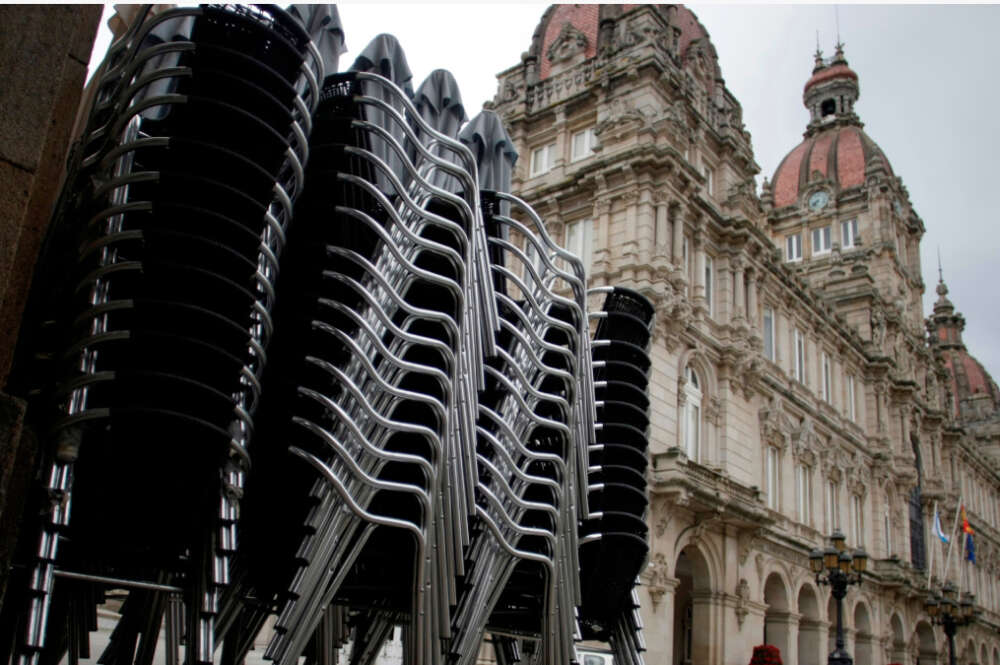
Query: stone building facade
[795,389]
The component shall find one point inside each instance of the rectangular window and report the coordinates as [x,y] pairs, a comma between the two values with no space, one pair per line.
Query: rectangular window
[542,159]
[803,493]
[832,512]
[583,144]
[821,240]
[769,333]
[579,241]
[709,272]
[685,256]
[827,380]
[709,179]
[793,247]
[799,357]
[857,520]
[848,233]
[851,412]
[771,477]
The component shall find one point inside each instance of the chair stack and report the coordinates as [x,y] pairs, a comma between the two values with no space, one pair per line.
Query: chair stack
[522,564]
[159,288]
[378,340]
[613,539]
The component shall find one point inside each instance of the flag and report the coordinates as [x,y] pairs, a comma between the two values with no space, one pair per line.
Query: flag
[937,528]
[970,549]
[965,523]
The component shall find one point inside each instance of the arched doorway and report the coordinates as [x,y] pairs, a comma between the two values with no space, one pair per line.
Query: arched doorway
[862,635]
[776,618]
[692,616]
[926,645]
[810,629]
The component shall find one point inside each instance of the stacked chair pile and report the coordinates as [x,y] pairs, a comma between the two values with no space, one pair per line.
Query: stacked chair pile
[304,360]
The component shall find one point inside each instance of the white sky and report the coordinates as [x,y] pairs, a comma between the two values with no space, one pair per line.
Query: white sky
[929,97]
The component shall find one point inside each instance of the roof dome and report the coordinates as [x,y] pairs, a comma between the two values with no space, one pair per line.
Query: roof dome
[835,148]
[839,154]
[975,396]
[577,28]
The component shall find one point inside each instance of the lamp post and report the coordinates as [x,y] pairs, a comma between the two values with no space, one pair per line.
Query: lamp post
[946,610]
[838,568]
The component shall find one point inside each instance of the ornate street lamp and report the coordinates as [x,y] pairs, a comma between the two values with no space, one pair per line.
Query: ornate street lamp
[946,610]
[838,568]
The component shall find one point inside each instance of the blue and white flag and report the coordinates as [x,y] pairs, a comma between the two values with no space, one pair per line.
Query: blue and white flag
[937,528]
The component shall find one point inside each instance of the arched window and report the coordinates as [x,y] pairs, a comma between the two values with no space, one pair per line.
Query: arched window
[692,415]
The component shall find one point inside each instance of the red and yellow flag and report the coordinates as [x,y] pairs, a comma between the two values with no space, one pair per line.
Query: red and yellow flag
[965,523]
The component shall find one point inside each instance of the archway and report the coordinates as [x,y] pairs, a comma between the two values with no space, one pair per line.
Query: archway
[897,653]
[692,634]
[926,645]
[969,653]
[776,618]
[810,629]
[862,635]
[983,656]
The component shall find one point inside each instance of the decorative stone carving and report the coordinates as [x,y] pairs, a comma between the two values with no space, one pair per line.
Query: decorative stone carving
[742,594]
[657,578]
[569,43]
[775,425]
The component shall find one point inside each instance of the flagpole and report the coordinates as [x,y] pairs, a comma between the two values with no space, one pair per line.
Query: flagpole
[930,564]
[954,526]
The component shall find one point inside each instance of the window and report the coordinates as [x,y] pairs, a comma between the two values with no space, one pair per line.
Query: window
[709,270]
[832,512]
[692,415]
[827,391]
[848,233]
[582,144]
[542,159]
[857,519]
[821,240]
[799,357]
[685,256]
[579,241]
[769,333]
[709,178]
[771,476]
[793,247]
[851,412]
[803,493]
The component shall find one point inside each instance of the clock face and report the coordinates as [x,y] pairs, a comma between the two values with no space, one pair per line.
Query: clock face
[818,200]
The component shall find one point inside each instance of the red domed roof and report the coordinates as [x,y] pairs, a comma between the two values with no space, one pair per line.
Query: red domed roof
[839,153]
[836,71]
[586,19]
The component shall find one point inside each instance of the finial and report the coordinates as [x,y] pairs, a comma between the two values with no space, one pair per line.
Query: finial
[940,272]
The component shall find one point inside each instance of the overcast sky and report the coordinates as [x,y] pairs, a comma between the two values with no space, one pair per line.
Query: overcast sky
[927,98]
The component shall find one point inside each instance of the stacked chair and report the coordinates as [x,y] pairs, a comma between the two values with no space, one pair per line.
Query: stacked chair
[155,303]
[309,366]
[614,543]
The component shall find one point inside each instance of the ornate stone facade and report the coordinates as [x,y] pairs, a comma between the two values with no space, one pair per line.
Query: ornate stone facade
[794,391]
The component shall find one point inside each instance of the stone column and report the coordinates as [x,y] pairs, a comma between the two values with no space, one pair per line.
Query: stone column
[699,268]
[752,314]
[602,224]
[739,295]
[630,251]
[660,231]
[677,241]
[645,226]
[659,612]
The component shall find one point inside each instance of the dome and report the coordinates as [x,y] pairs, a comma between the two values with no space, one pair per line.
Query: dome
[839,154]
[835,148]
[580,25]
[974,393]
